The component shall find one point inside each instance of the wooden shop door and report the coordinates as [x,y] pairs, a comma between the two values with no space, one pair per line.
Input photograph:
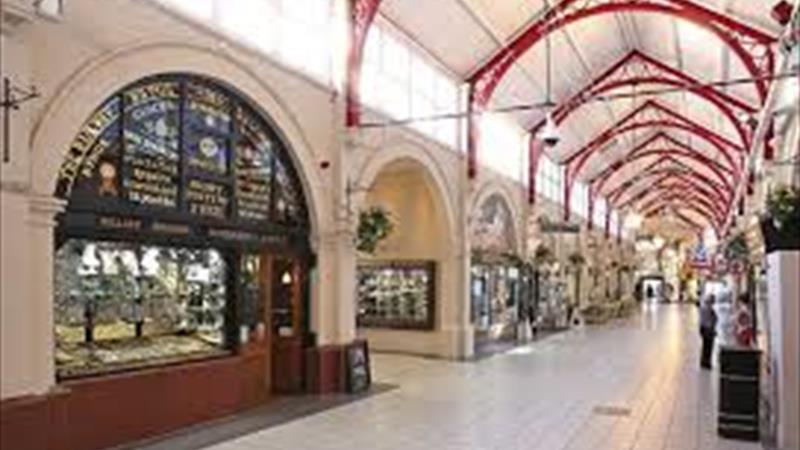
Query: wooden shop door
[286,324]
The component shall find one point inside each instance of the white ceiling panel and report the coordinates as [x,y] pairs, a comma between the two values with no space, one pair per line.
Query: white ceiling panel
[446,29]
[464,33]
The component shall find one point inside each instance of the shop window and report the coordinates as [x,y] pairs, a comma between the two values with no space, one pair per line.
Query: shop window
[177,191]
[396,295]
[121,305]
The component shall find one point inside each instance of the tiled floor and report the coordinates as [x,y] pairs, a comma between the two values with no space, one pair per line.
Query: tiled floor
[642,373]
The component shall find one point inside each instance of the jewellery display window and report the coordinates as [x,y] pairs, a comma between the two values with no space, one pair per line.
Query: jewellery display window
[177,192]
[396,295]
[122,305]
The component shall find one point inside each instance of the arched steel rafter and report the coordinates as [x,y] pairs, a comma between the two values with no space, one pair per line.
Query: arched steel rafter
[688,206]
[575,162]
[676,192]
[751,46]
[719,196]
[634,69]
[597,184]
[621,196]
[362,13]
[672,204]
[686,190]
[688,222]
[669,184]
[673,147]
[656,114]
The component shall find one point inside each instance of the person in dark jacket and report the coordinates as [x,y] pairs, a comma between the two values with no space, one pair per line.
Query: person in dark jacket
[708,331]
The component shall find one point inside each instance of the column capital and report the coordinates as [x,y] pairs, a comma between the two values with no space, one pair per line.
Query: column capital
[332,238]
[42,209]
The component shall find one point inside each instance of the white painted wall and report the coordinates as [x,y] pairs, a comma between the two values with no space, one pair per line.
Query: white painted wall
[783,306]
[95,49]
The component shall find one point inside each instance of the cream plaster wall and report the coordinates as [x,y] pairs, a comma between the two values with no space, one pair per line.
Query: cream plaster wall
[78,62]
[408,182]
[99,47]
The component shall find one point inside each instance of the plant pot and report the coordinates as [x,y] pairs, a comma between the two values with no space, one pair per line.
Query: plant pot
[777,240]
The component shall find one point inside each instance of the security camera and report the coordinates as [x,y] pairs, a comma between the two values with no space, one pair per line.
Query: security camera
[550,135]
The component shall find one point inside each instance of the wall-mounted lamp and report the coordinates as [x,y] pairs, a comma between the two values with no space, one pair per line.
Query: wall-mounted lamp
[286,278]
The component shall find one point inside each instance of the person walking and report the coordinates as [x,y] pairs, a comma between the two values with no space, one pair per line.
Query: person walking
[708,331]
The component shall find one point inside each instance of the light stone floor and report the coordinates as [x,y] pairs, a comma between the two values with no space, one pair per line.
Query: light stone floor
[541,396]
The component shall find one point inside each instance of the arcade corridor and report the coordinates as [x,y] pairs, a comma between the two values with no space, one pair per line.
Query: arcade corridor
[399,224]
[645,393]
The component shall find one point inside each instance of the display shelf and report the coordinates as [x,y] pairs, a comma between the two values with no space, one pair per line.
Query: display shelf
[396,294]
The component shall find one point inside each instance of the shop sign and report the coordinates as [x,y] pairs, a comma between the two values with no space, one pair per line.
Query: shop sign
[559,227]
[359,377]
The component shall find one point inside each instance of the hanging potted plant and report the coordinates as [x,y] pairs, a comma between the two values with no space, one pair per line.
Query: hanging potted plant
[781,225]
[374,225]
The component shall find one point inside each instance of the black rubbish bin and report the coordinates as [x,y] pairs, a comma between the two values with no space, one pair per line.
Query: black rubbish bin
[739,393]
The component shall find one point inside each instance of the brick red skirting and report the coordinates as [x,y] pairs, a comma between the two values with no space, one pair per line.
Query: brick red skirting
[105,411]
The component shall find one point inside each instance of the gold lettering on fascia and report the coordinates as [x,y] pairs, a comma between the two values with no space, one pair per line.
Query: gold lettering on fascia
[232,234]
[119,223]
[91,130]
[170,228]
[93,157]
[153,90]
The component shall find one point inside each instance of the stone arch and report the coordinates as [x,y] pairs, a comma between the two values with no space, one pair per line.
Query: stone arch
[495,188]
[84,90]
[435,176]
[450,337]
[79,94]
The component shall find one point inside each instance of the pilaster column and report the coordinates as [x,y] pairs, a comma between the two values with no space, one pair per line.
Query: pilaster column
[335,312]
[455,298]
[39,333]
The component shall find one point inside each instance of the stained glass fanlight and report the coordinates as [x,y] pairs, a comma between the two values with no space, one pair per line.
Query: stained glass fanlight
[184,143]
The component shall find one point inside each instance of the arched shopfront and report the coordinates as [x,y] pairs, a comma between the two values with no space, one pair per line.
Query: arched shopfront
[182,257]
[496,274]
[406,296]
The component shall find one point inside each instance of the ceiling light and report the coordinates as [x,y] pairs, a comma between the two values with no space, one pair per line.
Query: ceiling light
[549,134]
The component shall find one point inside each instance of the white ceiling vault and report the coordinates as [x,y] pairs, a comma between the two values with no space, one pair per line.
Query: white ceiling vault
[463,34]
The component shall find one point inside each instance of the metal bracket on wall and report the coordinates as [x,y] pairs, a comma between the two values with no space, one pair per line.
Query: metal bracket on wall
[11,103]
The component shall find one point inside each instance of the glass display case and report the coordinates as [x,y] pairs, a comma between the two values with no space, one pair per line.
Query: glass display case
[552,303]
[396,295]
[495,299]
[121,305]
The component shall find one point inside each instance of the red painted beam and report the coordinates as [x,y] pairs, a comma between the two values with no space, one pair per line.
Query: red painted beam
[655,72]
[699,210]
[609,173]
[362,14]
[709,216]
[719,195]
[750,45]
[576,161]
[670,194]
[683,188]
[687,189]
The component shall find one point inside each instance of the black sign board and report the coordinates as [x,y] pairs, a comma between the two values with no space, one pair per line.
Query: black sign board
[358,372]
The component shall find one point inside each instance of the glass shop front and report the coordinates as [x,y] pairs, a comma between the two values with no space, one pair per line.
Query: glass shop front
[496,300]
[184,243]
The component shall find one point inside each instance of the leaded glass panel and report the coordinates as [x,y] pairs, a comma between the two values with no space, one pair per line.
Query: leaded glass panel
[151,133]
